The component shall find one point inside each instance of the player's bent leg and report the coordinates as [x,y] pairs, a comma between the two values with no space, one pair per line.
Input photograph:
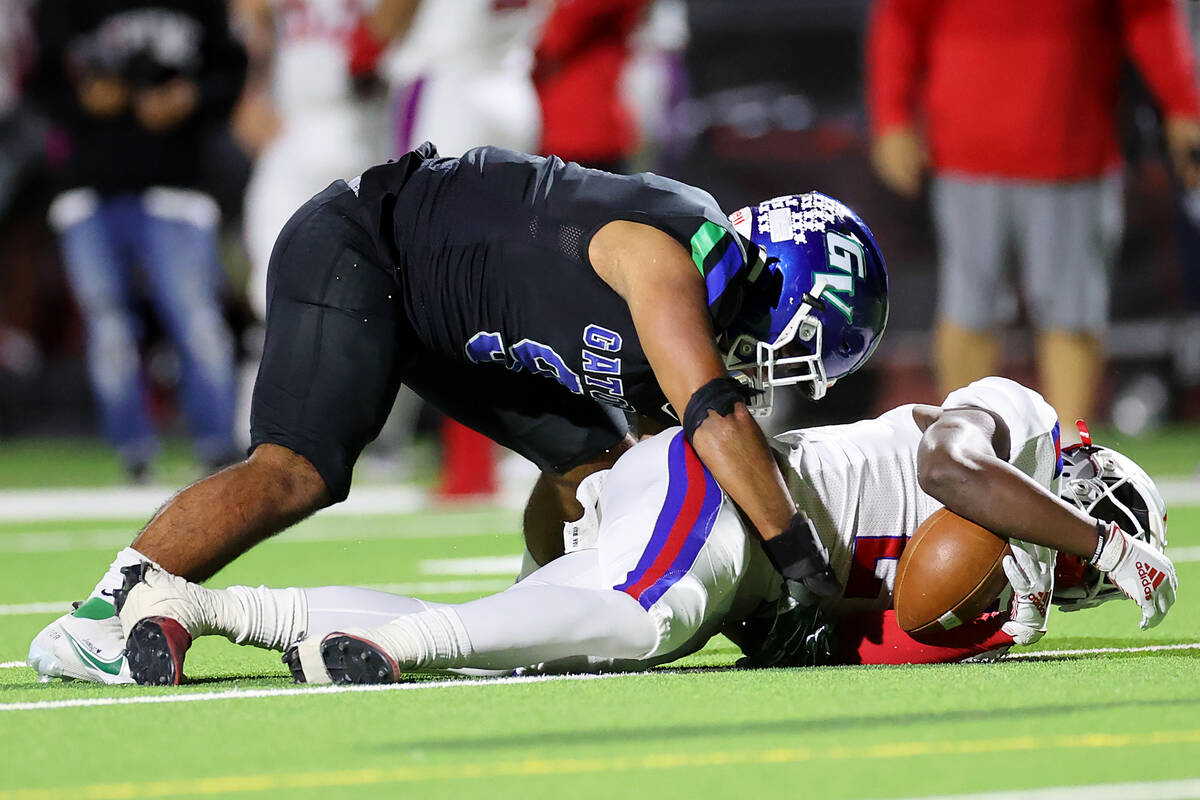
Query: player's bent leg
[556,613]
[240,506]
[161,613]
[1070,366]
[552,503]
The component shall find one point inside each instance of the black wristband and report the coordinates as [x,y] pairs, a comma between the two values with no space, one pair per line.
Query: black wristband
[798,554]
[719,395]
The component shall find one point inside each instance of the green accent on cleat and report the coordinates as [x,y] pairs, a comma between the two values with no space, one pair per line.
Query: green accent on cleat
[95,608]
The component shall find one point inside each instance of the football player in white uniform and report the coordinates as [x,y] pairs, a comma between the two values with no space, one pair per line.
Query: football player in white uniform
[327,128]
[462,75]
[662,561]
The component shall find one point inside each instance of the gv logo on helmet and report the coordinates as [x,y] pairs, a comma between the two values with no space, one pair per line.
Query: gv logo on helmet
[846,256]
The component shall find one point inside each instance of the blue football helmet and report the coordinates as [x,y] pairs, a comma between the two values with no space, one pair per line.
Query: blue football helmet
[813,307]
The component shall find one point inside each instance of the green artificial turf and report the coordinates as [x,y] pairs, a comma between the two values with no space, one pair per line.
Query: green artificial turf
[700,729]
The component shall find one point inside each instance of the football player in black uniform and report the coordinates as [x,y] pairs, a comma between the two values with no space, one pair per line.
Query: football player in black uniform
[539,303]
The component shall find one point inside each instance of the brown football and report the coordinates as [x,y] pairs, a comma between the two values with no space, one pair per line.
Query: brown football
[950,571]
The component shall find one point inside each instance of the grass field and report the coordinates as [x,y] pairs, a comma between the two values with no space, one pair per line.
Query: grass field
[700,729]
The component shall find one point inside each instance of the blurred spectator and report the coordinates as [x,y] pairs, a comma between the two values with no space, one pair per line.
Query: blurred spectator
[19,148]
[461,71]
[314,125]
[1013,105]
[654,85]
[582,56]
[130,86]
[309,121]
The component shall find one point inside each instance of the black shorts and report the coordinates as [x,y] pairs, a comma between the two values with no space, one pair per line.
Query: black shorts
[338,347]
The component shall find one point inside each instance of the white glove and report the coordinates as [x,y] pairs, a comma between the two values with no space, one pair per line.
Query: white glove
[1030,570]
[1141,572]
[584,532]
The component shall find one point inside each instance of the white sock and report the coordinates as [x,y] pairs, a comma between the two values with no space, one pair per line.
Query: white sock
[273,619]
[430,639]
[113,579]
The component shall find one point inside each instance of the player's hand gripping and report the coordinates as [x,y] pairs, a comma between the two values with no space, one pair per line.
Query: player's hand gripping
[801,558]
[1141,572]
[1030,570]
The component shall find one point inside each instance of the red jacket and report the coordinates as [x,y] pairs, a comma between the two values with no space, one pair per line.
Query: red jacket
[1023,88]
[580,60]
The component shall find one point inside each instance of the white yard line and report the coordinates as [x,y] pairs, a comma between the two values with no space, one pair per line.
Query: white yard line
[116,538]
[26,609]
[1143,790]
[1152,648]
[1181,555]
[1179,491]
[418,589]
[489,565]
[11,664]
[241,694]
[140,502]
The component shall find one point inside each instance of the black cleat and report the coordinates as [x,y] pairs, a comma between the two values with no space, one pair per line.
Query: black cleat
[155,651]
[350,659]
[291,657]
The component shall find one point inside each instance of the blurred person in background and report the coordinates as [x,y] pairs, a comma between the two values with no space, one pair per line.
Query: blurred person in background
[309,119]
[581,59]
[130,86]
[460,70]
[654,85]
[1013,107]
[20,148]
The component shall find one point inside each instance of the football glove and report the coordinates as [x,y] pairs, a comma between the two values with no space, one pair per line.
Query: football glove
[789,635]
[1030,570]
[800,557]
[1145,575]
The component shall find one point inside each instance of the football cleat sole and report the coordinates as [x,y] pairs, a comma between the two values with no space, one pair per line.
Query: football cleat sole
[155,651]
[305,661]
[349,659]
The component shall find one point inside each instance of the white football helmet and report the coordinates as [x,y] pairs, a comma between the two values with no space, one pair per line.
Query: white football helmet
[1112,488]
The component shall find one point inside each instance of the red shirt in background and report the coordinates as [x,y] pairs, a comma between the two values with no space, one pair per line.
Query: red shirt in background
[583,52]
[1023,88]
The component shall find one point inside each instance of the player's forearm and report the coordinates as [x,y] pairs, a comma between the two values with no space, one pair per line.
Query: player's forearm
[736,452]
[995,494]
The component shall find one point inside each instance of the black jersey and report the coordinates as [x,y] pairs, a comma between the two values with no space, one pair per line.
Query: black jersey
[490,253]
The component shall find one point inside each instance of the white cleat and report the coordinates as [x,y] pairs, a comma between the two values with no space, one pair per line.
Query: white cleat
[85,645]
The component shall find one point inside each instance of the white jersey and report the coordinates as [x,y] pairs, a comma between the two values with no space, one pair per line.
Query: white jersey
[462,75]
[476,36]
[672,540]
[858,482]
[310,68]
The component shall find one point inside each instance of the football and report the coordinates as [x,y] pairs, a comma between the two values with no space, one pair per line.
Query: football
[950,571]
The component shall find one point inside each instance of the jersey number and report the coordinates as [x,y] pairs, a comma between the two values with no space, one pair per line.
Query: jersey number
[487,347]
[874,566]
